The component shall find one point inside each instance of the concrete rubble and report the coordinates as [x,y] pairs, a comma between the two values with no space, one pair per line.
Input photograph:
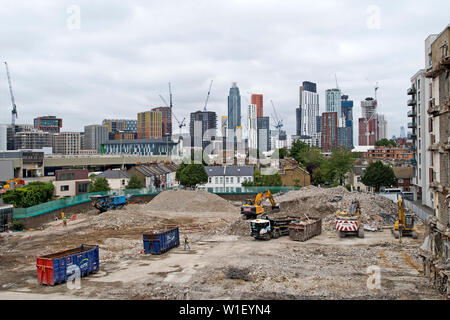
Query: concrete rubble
[224,262]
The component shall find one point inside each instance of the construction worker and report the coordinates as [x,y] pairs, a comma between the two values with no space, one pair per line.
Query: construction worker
[64,219]
[186,243]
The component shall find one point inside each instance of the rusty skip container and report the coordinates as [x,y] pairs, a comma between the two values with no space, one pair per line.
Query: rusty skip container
[306,229]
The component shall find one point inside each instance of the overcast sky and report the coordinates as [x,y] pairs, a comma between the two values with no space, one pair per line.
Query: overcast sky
[120,55]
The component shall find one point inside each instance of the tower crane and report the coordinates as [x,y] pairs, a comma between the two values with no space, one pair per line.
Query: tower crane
[181,123]
[278,122]
[207,97]
[14,108]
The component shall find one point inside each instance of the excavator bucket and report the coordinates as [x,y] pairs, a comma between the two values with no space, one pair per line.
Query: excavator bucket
[276,208]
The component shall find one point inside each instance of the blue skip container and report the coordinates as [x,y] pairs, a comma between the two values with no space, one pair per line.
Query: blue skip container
[58,267]
[160,241]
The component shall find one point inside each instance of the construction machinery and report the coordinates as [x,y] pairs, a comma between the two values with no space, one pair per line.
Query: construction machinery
[404,225]
[251,209]
[14,108]
[350,223]
[270,228]
[108,202]
[12,184]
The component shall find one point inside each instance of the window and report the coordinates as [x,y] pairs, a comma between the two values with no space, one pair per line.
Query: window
[400,180]
[358,179]
[231,180]
[216,180]
[123,182]
[67,176]
[221,180]
[83,188]
[209,180]
[238,179]
[227,180]
[64,188]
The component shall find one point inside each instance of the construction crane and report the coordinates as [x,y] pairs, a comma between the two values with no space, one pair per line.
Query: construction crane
[278,122]
[181,123]
[207,97]
[14,108]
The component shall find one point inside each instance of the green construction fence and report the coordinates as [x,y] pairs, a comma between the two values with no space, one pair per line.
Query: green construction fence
[23,213]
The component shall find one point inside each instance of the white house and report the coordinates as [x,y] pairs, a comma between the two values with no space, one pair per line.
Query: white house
[228,176]
[117,179]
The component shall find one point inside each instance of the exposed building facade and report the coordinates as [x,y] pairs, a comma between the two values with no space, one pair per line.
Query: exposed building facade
[438,131]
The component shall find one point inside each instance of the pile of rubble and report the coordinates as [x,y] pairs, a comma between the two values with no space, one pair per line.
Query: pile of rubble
[189,201]
[323,203]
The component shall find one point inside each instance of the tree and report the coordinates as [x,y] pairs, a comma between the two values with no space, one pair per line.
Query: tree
[192,175]
[378,175]
[30,195]
[134,182]
[282,153]
[298,150]
[338,165]
[385,142]
[180,168]
[99,184]
[260,180]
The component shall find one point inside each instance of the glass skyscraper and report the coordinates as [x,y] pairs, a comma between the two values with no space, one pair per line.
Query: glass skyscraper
[234,107]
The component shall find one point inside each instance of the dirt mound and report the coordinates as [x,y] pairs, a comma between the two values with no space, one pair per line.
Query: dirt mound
[190,201]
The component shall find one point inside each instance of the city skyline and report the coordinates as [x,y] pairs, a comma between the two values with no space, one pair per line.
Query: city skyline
[99,67]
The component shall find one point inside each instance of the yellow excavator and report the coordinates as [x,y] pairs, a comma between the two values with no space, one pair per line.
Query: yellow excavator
[404,225]
[12,184]
[252,209]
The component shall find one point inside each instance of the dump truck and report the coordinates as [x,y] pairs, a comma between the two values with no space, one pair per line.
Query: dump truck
[404,224]
[350,223]
[251,209]
[108,202]
[268,228]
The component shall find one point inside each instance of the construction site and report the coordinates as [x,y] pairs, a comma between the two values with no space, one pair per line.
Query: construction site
[223,260]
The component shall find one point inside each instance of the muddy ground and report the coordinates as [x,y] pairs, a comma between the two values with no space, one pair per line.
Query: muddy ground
[220,264]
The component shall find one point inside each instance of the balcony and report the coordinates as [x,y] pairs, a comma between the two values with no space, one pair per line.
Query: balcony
[412,113]
[409,142]
[411,102]
[412,136]
[410,91]
[411,125]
